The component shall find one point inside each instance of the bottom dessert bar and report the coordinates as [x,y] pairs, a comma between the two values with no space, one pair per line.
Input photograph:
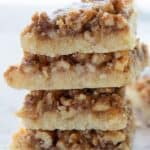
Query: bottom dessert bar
[73,140]
[100,109]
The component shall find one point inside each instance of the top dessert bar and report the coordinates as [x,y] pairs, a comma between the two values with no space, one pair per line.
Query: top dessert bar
[85,27]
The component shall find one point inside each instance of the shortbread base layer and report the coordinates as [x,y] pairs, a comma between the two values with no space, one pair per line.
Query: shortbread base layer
[72,140]
[67,80]
[114,120]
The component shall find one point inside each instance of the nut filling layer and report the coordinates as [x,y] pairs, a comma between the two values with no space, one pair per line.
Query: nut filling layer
[78,62]
[105,16]
[73,140]
[91,100]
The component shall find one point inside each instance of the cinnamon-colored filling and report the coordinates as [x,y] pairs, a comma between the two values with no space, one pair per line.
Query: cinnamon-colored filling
[77,62]
[82,63]
[91,100]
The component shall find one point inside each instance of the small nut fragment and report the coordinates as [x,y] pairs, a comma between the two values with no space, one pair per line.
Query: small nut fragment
[73,138]
[50,98]
[100,106]
[45,72]
[45,138]
[40,108]
[61,145]
[81,97]
[60,23]
[108,19]
[121,22]
[65,102]
[121,62]
[61,108]
[95,141]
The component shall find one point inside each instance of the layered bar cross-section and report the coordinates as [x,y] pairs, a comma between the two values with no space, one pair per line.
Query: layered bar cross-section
[78,70]
[101,109]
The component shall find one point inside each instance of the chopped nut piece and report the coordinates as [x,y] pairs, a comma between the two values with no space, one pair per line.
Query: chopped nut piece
[108,19]
[100,106]
[46,139]
[65,102]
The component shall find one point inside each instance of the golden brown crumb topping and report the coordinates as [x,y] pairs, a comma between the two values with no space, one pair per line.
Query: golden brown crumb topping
[77,62]
[75,140]
[94,100]
[104,16]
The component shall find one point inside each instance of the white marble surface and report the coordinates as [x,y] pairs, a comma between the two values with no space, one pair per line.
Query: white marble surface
[12,19]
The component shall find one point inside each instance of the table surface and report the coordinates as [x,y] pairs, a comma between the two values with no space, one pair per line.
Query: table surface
[11,24]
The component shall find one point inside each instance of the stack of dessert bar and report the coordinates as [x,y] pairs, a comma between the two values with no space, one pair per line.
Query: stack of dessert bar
[76,63]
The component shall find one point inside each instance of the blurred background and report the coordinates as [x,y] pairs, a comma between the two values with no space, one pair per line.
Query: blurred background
[14,15]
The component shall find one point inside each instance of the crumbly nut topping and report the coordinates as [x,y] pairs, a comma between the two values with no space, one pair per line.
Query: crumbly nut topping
[94,100]
[104,16]
[77,140]
[77,62]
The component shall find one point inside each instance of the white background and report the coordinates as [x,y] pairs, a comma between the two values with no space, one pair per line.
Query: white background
[14,15]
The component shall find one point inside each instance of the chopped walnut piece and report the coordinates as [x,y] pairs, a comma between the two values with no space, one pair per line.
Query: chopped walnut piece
[101,106]
[108,19]
[65,102]
[73,138]
[46,139]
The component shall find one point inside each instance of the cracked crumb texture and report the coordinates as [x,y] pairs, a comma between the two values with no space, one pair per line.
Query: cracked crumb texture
[94,100]
[106,16]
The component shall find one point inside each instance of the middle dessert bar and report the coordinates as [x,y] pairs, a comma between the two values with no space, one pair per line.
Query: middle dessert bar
[78,70]
[100,109]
